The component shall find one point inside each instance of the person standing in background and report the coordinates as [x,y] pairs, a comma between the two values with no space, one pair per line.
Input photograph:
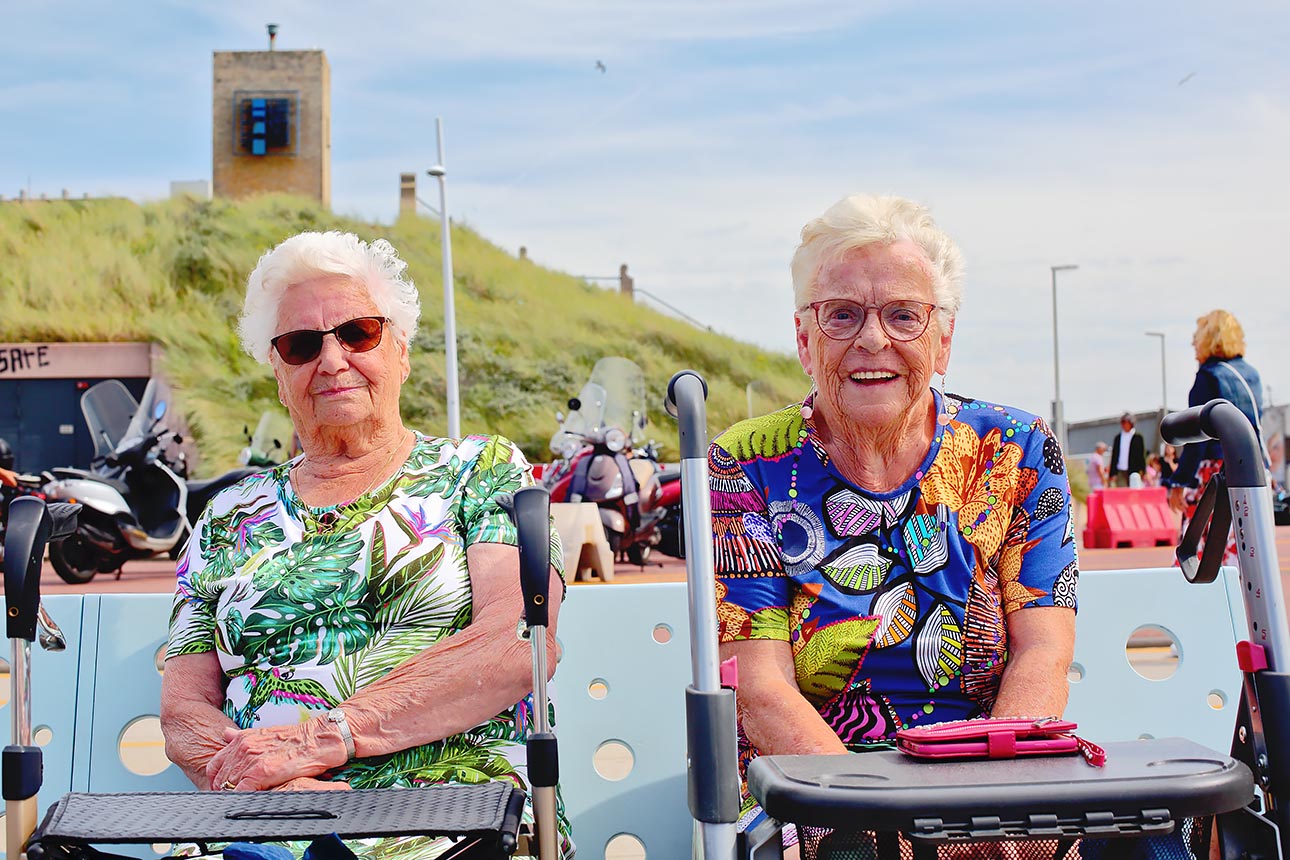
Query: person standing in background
[1219,342]
[1096,467]
[1128,453]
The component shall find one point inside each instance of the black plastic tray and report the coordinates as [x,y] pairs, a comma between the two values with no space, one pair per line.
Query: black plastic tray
[1145,787]
[220,816]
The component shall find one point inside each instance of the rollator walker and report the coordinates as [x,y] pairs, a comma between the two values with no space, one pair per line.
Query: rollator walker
[1154,798]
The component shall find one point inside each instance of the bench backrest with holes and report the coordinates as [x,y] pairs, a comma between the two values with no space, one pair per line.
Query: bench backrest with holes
[619,692]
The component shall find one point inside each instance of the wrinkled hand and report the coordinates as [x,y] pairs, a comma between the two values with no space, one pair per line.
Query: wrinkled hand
[1176,499]
[305,783]
[257,759]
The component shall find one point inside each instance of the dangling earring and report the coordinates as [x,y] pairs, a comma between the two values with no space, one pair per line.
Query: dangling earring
[807,410]
[943,414]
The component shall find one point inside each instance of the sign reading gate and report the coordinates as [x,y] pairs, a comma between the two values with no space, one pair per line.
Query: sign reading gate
[75,360]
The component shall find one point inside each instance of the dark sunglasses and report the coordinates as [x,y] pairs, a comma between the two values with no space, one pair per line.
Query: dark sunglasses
[356,335]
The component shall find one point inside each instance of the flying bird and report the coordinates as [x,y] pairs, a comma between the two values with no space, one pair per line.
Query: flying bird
[1187,77]
[600,67]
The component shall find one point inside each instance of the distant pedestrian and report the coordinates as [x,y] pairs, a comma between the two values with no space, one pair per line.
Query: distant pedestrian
[1128,454]
[1168,462]
[1151,478]
[1219,342]
[1096,467]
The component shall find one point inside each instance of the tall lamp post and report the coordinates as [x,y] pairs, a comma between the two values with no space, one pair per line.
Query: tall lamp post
[1059,416]
[449,310]
[1164,386]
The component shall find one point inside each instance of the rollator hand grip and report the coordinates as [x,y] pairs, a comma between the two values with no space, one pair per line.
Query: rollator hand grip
[1219,419]
[686,393]
[530,509]
[1189,425]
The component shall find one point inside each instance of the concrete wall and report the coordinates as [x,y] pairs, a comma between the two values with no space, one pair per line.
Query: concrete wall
[302,75]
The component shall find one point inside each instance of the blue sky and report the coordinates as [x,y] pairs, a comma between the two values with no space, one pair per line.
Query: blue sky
[1039,134]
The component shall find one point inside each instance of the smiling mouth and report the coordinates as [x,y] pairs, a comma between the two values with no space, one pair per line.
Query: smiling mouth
[870,376]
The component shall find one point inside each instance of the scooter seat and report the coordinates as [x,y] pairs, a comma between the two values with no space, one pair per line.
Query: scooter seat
[81,474]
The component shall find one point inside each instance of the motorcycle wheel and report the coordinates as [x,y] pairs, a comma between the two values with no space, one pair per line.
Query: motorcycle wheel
[74,559]
[638,553]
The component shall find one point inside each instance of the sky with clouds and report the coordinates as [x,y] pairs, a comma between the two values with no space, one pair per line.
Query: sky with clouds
[1145,142]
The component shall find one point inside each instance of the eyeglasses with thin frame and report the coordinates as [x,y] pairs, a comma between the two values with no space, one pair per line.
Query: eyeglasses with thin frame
[302,346]
[901,320]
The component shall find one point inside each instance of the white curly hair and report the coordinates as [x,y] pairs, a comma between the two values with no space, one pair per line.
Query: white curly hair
[310,255]
[864,219]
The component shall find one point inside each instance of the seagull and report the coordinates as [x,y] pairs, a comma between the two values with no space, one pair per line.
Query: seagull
[1187,77]
[600,67]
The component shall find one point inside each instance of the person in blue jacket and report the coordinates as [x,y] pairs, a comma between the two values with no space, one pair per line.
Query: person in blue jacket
[1219,342]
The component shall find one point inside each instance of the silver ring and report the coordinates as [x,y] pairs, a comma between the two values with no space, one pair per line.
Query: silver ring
[228,786]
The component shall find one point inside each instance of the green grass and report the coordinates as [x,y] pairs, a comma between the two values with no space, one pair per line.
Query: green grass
[173,273]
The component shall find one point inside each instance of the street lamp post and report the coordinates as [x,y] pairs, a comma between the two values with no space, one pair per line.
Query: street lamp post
[1059,416]
[449,310]
[1164,386]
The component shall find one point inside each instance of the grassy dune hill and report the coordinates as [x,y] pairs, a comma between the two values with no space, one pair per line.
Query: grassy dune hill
[173,272]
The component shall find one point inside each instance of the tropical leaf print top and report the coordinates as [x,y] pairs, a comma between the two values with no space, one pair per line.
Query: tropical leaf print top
[304,606]
[893,603]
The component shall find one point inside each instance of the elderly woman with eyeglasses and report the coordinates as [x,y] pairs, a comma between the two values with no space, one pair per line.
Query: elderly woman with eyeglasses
[887,555]
[347,619]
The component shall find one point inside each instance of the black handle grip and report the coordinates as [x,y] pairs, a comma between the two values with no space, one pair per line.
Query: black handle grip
[1219,419]
[530,510]
[1179,428]
[24,549]
[687,392]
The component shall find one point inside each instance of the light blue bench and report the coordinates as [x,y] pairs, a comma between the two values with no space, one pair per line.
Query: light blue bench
[618,682]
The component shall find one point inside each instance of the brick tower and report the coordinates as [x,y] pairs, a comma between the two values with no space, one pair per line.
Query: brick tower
[271,128]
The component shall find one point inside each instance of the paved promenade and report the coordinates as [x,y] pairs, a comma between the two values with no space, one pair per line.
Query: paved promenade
[157,575]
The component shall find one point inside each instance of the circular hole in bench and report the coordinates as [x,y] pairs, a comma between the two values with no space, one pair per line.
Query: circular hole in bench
[1153,652]
[598,688]
[42,736]
[160,660]
[624,846]
[142,747]
[1146,736]
[161,849]
[1217,699]
[613,760]
[662,633]
[1075,673]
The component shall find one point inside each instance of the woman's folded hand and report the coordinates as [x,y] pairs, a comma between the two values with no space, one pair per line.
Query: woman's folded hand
[258,759]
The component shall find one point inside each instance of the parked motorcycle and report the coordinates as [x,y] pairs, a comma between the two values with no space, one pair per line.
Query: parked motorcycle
[602,458]
[134,503]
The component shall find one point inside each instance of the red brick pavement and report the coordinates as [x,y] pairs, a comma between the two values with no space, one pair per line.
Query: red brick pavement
[157,575]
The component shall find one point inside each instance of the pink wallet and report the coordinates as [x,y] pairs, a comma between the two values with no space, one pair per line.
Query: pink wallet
[1008,737]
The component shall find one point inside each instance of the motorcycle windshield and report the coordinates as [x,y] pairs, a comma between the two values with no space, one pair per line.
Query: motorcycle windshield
[623,384]
[272,437]
[142,421]
[109,408]
[614,397]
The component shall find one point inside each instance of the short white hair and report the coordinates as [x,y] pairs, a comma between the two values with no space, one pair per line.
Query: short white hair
[307,256]
[864,219]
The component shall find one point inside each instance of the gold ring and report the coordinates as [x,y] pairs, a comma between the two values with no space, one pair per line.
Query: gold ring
[228,786]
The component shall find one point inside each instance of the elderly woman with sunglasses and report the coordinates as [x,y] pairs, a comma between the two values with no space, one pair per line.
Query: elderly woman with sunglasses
[887,555]
[347,619]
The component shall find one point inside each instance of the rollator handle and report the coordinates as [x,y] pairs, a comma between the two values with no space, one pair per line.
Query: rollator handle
[686,393]
[531,512]
[1219,419]
[32,524]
